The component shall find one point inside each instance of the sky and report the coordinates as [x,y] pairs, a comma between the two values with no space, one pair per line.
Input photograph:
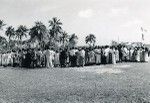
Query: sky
[119,20]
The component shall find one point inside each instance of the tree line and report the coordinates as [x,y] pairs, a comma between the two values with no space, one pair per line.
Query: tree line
[52,35]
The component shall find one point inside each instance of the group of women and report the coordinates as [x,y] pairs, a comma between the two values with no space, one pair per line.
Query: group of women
[72,57]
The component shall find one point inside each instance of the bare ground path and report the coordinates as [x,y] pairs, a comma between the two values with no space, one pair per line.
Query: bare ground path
[121,83]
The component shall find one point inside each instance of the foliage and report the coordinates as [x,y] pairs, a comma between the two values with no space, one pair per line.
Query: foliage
[10,32]
[2,24]
[38,32]
[55,28]
[40,36]
[90,39]
[73,40]
[21,32]
[64,38]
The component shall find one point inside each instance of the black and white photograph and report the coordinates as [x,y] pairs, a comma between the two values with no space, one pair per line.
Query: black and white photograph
[74,51]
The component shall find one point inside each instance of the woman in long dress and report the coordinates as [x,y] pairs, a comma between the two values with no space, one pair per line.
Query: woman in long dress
[117,54]
[131,50]
[113,56]
[142,53]
[91,57]
[103,56]
[98,55]
[146,57]
[137,55]
[56,59]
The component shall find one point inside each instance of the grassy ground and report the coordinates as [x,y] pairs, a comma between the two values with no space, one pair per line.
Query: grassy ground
[122,83]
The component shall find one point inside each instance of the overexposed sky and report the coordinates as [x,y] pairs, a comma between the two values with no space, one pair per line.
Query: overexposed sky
[107,19]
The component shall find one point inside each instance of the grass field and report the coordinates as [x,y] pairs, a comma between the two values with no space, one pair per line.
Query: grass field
[121,83]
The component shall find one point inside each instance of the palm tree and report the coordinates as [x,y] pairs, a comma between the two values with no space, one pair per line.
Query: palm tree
[3,42]
[38,32]
[55,28]
[10,32]
[2,24]
[73,39]
[21,32]
[64,38]
[90,39]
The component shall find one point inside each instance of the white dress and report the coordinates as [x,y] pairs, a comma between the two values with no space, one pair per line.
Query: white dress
[138,56]
[146,57]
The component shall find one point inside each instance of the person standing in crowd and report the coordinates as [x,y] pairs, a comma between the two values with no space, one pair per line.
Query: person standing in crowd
[80,57]
[33,58]
[49,58]
[106,52]
[103,59]
[20,57]
[72,57]
[125,53]
[91,55]
[39,57]
[120,49]
[137,57]
[142,53]
[97,55]
[56,59]
[134,55]
[63,58]
[86,56]
[117,54]
[0,58]
[110,55]
[27,59]
[113,55]
[43,59]
[131,50]
[146,57]
[15,59]
[7,58]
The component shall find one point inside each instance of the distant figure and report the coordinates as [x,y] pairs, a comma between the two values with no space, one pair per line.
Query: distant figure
[27,59]
[146,58]
[63,58]
[120,49]
[49,58]
[103,59]
[117,54]
[80,57]
[137,58]
[72,57]
[107,52]
[97,55]
[56,59]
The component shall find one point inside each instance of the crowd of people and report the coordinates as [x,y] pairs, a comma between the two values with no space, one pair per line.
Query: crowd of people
[73,57]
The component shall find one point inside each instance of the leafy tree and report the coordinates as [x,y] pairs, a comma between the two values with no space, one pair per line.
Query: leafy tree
[55,28]
[73,39]
[38,32]
[3,43]
[64,38]
[90,39]
[21,32]
[10,32]
[2,24]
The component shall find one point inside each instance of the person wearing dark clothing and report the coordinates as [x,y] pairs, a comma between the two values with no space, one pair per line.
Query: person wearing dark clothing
[33,58]
[103,59]
[27,61]
[63,58]
[120,53]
